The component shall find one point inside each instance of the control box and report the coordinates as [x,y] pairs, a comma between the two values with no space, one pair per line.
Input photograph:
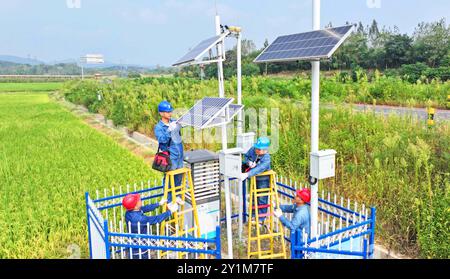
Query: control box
[323,164]
[231,162]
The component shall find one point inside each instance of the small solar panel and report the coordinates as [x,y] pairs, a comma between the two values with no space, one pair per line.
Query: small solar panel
[305,46]
[198,51]
[220,120]
[205,111]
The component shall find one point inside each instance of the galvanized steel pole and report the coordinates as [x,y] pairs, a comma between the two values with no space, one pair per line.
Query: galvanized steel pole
[224,144]
[315,90]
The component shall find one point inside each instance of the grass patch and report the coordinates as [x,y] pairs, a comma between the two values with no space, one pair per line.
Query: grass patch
[30,86]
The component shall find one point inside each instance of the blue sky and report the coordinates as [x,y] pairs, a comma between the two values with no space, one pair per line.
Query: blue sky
[151,32]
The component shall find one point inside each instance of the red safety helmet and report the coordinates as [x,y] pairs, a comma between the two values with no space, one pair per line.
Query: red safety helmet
[130,201]
[304,194]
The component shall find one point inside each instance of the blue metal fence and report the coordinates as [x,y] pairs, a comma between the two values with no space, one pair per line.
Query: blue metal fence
[109,239]
[345,230]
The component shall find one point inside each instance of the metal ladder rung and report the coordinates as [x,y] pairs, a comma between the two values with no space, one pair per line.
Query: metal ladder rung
[261,252]
[265,236]
[262,190]
[271,256]
[262,195]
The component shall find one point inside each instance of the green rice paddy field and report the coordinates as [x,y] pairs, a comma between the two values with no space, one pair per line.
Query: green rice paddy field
[48,160]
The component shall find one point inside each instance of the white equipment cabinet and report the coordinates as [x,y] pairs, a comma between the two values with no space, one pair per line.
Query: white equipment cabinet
[231,162]
[323,164]
[204,166]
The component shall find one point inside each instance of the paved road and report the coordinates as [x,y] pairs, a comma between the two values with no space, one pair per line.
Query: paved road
[421,113]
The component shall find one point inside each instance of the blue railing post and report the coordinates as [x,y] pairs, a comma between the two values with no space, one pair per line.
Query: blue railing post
[372,231]
[293,243]
[365,252]
[244,202]
[105,229]
[218,246]
[88,224]
[300,254]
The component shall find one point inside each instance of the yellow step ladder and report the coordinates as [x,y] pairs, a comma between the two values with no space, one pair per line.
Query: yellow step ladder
[175,227]
[270,235]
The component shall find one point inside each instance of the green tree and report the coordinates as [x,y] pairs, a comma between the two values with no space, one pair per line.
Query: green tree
[432,42]
[398,50]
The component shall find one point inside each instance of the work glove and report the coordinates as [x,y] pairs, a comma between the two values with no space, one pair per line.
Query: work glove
[173,126]
[173,207]
[252,164]
[162,202]
[244,176]
[278,213]
[179,201]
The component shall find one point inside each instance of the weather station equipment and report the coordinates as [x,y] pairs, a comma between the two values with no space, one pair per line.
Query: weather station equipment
[219,112]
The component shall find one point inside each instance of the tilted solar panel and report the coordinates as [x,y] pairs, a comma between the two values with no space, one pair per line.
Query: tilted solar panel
[233,111]
[205,111]
[200,50]
[305,46]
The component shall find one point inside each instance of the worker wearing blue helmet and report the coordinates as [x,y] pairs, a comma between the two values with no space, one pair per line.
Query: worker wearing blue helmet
[168,134]
[257,161]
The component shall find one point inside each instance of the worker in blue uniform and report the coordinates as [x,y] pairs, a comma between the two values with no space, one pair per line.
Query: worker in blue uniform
[300,209]
[168,134]
[257,161]
[137,222]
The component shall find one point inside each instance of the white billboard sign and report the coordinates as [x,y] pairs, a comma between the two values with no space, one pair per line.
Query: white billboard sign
[93,59]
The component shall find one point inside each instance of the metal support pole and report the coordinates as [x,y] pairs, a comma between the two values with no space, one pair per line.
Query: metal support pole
[224,144]
[239,80]
[82,72]
[239,124]
[315,119]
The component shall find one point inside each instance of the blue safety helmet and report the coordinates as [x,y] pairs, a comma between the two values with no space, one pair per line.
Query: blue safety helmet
[165,106]
[262,143]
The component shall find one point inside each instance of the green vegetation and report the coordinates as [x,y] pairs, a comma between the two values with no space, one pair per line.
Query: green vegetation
[48,160]
[370,47]
[30,87]
[396,164]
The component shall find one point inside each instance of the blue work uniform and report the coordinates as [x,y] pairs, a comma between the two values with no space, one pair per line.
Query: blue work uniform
[135,218]
[171,141]
[300,219]
[262,165]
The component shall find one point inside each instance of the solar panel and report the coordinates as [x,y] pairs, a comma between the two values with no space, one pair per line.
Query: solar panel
[205,111]
[305,46]
[200,50]
[220,120]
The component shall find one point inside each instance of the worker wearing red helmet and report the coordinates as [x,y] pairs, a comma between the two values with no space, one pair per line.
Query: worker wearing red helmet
[300,209]
[138,222]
